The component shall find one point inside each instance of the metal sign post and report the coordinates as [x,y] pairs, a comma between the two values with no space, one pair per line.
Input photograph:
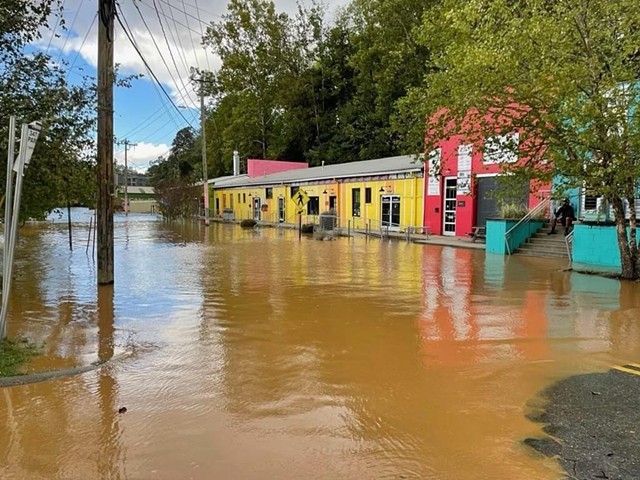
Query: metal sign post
[301,199]
[28,139]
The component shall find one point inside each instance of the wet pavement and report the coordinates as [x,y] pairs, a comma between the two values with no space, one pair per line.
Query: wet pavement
[592,422]
[254,355]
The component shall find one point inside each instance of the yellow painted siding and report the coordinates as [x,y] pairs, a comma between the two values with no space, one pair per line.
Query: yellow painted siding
[409,190]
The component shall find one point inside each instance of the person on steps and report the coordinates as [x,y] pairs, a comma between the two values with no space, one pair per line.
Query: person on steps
[566,215]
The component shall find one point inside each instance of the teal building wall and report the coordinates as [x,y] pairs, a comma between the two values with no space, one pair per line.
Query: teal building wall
[595,245]
[496,230]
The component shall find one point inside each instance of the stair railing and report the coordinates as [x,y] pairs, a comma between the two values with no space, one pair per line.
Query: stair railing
[533,213]
[568,241]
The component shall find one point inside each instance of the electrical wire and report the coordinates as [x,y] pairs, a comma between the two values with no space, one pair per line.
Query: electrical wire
[155,86]
[161,55]
[75,59]
[53,32]
[73,22]
[135,46]
[201,32]
[181,50]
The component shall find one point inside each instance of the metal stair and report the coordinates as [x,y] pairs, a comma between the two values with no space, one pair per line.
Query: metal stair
[543,245]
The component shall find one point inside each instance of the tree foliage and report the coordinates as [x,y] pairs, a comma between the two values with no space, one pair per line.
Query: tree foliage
[564,74]
[62,166]
[32,88]
[174,177]
[296,88]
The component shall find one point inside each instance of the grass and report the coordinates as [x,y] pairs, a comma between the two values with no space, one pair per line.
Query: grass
[14,353]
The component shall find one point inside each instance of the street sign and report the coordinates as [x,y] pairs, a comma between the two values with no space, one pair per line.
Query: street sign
[27,145]
[300,198]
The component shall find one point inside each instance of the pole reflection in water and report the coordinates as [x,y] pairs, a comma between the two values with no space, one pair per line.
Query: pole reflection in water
[265,357]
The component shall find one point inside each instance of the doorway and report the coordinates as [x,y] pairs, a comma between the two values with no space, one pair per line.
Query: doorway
[391,212]
[256,208]
[332,202]
[449,210]
[281,213]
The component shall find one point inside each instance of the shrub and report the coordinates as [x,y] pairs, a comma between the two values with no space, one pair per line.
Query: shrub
[307,228]
[248,223]
[512,210]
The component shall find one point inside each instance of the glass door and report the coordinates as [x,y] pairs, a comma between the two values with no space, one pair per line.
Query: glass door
[257,204]
[281,215]
[391,212]
[449,217]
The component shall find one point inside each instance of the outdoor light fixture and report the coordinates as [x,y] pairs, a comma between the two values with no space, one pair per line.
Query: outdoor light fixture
[381,189]
[324,192]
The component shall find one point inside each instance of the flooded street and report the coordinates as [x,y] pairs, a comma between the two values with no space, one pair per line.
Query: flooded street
[250,355]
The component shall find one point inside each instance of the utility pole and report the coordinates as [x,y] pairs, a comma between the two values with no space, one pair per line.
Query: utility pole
[205,173]
[126,144]
[106,14]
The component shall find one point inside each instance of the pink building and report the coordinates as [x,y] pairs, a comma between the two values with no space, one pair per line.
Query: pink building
[259,168]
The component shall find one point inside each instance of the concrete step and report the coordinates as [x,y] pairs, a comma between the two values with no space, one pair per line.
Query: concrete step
[541,254]
[547,241]
[542,251]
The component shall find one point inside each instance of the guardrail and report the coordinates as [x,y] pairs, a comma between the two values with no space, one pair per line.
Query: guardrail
[568,241]
[535,212]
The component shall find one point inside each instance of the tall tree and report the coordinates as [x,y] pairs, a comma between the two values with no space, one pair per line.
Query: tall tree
[564,74]
[264,55]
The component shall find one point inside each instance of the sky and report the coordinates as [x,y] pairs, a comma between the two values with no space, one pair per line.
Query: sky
[169,36]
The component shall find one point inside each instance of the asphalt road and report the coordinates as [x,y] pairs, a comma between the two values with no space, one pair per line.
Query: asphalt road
[592,423]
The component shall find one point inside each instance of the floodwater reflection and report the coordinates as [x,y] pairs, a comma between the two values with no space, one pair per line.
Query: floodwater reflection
[259,356]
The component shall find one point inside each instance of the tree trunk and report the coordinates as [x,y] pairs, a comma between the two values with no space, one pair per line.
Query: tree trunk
[633,239]
[627,260]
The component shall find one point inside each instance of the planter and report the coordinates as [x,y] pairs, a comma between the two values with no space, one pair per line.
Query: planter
[497,229]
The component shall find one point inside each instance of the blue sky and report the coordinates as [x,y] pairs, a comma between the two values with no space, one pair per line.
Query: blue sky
[143,115]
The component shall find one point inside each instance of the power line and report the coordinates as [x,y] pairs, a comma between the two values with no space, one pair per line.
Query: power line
[129,36]
[69,33]
[193,47]
[53,32]
[201,33]
[166,40]
[181,49]
[82,45]
[157,90]
[179,23]
[160,53]
[148,120]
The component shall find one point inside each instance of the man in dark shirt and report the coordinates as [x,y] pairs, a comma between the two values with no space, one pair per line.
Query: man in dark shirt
[566,215]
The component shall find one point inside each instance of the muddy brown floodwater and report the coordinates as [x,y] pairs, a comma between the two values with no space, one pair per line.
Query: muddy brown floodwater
[256,356]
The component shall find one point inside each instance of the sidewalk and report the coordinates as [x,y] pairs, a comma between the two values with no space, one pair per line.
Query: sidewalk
[429,239]
[422,239]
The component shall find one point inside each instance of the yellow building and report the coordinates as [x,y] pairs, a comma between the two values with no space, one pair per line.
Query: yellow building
[381,193]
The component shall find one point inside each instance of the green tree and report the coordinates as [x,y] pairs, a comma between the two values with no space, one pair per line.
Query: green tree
[32,88]
[174,177]
[564,74]
[264,53]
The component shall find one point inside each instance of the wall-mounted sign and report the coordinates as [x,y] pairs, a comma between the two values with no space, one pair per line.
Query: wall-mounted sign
[463,185]
[433,185]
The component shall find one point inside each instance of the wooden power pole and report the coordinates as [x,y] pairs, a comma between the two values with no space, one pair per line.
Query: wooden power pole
[106,15]
[126,144]
[205,175]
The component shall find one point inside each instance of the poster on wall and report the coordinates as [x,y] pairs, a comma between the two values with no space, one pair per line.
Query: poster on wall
[464,170]
[433,187]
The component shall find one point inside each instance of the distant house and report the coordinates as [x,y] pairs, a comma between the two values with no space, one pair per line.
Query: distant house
[141,199]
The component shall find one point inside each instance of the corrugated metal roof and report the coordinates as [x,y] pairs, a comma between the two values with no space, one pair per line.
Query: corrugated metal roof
[365,168]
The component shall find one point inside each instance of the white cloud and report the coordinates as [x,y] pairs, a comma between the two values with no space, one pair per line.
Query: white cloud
[138,157]
[181,26]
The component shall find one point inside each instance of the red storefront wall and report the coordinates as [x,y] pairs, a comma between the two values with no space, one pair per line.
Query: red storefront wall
[466,205]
